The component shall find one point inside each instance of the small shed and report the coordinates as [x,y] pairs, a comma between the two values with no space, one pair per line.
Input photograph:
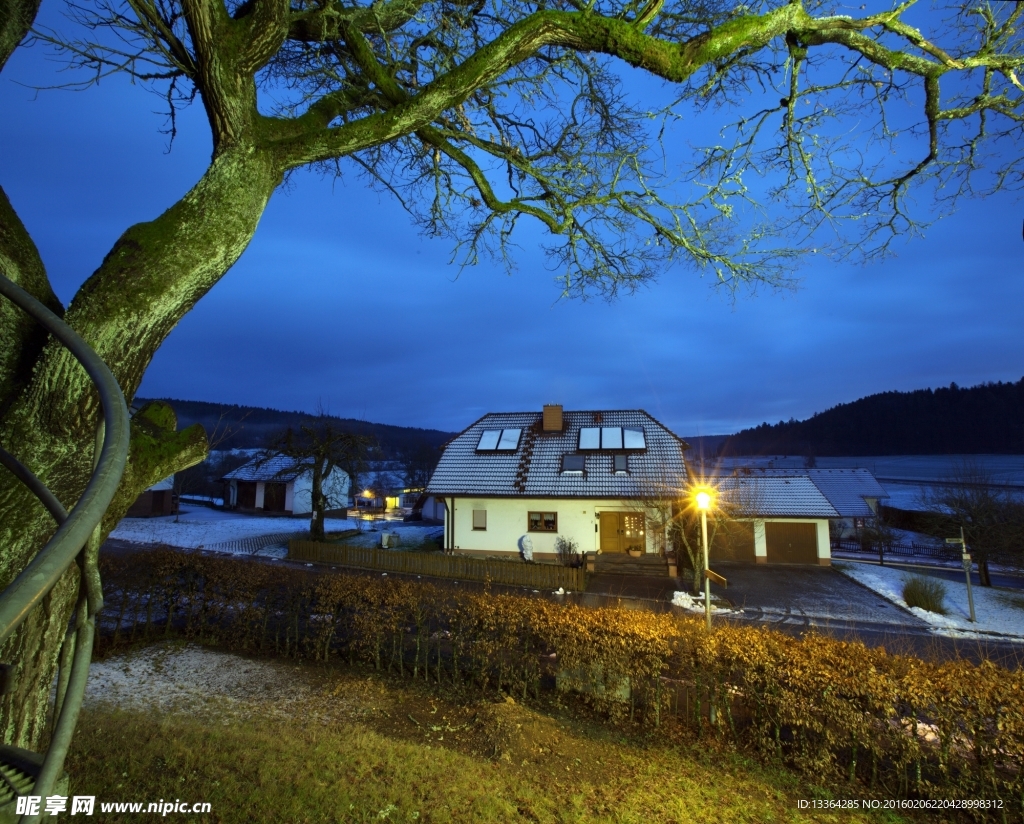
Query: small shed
[158,500]
[278,484]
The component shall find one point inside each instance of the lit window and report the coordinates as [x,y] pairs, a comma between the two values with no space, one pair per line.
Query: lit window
[489,439]
[590,437]
[573,463]
[479,519]
[611,437]
[543,522]
[633,439]
[618,463]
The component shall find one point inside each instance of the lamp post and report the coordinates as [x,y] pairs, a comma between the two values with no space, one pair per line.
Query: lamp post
[703,500]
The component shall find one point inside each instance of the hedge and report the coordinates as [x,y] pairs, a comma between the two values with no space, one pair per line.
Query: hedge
[839,711]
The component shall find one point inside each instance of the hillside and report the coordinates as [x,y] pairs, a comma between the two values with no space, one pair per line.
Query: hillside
[983,419]
[252,426]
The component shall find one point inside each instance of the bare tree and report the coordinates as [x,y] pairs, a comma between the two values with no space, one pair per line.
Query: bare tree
[197,477]
[991,518]
[321,449]
[477,117]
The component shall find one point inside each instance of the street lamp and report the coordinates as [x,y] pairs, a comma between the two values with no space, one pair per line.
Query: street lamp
[704,501]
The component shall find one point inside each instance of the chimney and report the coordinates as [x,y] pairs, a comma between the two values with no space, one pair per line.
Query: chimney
[552,417]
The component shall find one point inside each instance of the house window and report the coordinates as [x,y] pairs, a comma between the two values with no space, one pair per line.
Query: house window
[479,519]
[611,437]
[543,522]
[574,463]
[619,464]
[500,440]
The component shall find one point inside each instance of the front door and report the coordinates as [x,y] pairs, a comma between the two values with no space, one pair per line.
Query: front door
[622,530]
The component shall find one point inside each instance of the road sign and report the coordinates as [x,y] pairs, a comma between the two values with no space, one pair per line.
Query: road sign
[954,540]
[714,577]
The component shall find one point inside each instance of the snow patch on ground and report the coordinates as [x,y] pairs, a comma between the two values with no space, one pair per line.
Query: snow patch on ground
[999,611]
[217,530]
[196,681]
[693,603]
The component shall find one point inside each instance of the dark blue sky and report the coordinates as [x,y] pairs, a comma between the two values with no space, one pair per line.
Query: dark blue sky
[338,298]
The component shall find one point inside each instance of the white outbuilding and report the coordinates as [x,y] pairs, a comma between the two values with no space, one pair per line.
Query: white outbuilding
[278,484]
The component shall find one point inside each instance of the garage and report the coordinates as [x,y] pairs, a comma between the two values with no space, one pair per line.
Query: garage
[733,541]
[789,543]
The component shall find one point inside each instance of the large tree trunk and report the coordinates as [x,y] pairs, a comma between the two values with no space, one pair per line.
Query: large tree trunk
[155,273]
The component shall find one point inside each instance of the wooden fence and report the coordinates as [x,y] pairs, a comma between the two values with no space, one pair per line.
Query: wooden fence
[457,567]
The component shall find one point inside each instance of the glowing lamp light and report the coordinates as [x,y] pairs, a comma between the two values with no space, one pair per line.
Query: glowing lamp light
[703,499]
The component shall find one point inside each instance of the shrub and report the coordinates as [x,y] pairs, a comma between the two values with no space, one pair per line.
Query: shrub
[926,593]
[568,552]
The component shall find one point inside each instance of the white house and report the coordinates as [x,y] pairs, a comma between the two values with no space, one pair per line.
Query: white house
[276,484]
[517,481]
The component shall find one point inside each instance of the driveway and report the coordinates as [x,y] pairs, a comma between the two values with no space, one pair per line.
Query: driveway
[810,596]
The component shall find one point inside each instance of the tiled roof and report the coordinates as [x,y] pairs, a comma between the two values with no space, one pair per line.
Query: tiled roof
[534,468]
[277,468]
[845,489]
[774,496]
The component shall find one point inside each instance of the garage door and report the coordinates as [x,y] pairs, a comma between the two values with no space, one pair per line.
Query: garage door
[791,543]
[733,542]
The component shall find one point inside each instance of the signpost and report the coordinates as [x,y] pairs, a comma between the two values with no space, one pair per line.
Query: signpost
[967,569]
[714,577]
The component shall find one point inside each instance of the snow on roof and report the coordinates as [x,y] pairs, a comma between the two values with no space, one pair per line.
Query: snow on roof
[845,489]
[776,496]
[165,484]
[533,468]
[276,468]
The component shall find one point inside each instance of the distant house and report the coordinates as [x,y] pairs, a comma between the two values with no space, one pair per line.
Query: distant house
[277,484]
[788,512]
[159,499]
[512,483]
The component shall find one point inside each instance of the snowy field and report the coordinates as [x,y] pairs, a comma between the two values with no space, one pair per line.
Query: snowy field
[212,529]
[999,611]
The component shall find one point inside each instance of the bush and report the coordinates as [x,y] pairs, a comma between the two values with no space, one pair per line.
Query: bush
[568,552]
[926,593]
[889,724]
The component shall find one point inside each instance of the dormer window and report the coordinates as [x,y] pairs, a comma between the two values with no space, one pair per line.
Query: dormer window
[611,437]
[574,463]
[499,440]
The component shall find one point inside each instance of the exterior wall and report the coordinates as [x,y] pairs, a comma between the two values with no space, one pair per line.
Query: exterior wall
[336,487]
[507,525]
[761,543]
[289,497]
[260,487]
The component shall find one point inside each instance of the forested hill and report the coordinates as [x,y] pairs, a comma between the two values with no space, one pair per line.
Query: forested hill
[252,426]
[988,418]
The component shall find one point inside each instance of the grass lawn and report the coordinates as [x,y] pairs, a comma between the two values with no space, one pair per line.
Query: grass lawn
[291,742]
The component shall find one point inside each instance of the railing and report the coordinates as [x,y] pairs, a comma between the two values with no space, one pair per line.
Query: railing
[457,567]
[904,550]
[76,539]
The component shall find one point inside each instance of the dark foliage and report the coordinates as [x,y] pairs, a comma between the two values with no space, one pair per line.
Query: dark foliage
[254,426]
[984,419]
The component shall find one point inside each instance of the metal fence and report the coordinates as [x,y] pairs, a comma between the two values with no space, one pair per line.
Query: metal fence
[911,550]
[77,539]
[457,567]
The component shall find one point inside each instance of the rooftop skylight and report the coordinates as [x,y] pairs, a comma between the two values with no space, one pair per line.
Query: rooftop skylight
[499,440]
[612,437]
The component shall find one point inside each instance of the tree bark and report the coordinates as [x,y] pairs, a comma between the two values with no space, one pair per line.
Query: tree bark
[153,276]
